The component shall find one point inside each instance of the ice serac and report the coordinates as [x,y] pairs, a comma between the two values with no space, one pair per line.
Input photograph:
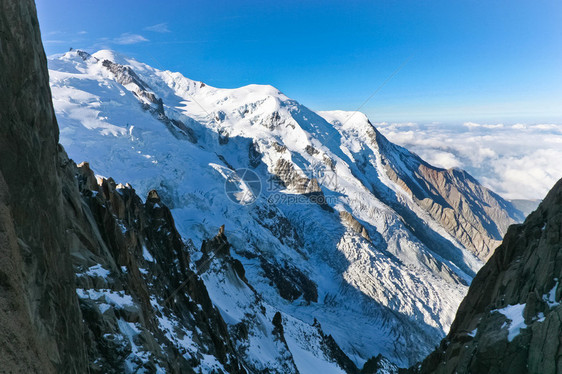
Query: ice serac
[509,321]
[330,236]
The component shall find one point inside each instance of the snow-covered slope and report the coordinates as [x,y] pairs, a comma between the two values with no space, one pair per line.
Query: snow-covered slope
[334,225]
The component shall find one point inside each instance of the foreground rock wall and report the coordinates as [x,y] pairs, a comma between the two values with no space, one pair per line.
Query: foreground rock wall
[510,321]
[41,319]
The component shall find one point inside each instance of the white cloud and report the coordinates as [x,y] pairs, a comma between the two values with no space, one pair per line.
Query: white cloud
[516,161]
[496,126]
[54,41]
[160,27]
[445,160]
[128,38]
[546,127]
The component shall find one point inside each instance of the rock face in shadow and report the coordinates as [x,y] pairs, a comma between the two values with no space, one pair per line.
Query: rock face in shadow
[510,320]
[136,290]
[42,320]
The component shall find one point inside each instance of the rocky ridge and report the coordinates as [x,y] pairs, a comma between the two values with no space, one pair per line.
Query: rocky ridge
[477,217]
[143,306]
[509,321]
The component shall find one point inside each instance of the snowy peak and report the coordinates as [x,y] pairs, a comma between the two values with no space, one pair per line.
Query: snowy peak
[115,57]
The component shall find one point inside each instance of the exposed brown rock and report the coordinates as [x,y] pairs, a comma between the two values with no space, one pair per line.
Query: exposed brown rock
[350,221]
[291,178]
[474,215]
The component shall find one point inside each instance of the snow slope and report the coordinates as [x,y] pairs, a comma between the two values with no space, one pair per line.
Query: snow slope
[384,279]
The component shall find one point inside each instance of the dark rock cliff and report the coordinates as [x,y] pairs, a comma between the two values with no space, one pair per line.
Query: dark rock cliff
[510,321]
[136,290]
[40,313]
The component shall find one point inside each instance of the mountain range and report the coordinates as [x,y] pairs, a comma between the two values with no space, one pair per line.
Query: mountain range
[213,230]
[342,226]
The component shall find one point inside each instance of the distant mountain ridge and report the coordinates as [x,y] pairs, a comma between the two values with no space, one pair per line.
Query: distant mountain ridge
[474,215]
[525,206]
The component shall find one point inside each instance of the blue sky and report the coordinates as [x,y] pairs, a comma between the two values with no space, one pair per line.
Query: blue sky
[486,61]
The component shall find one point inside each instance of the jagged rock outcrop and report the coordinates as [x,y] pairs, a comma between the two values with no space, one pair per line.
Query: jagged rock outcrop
[289,177]
[509,321]
[350,221]
[142,304]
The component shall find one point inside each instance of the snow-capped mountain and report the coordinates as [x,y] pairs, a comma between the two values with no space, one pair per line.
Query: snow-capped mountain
[340,233]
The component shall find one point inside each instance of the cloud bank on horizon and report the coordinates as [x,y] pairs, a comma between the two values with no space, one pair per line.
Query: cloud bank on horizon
[518,161]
